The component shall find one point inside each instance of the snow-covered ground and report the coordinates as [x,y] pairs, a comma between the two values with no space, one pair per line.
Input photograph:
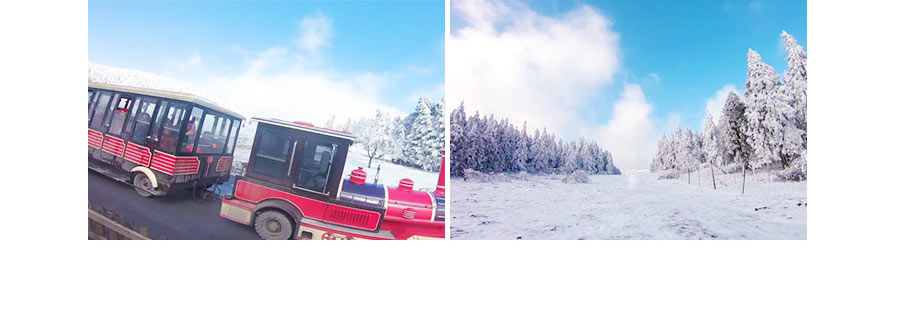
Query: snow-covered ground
[390,173]
[631,206]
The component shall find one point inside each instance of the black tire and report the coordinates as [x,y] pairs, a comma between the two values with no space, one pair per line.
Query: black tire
[142,185]
[273,225]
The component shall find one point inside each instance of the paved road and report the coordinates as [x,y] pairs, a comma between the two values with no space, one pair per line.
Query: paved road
[176,216]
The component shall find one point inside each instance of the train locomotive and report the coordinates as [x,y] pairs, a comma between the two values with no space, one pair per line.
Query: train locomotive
[293,189]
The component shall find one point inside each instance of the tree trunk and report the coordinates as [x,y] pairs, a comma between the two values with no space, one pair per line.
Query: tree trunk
[744,183]
[689,176]
[784,162]
[371,155]
[713,172]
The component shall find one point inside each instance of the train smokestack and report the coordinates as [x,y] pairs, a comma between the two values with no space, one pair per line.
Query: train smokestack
[358,176]
[439,191]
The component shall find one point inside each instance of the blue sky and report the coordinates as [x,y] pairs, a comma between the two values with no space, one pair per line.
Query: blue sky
[389,52]
[620,72]
[693,47]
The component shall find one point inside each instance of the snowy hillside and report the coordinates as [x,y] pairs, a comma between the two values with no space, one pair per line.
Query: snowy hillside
[632,206]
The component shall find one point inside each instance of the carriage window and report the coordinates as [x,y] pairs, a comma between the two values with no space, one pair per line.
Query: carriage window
[212,139]
[100,109]
[190,131]
[140,119]
[232,137]
[157,124]
[90,105]
[116,121]
[272,154]
[315,165]
[170,120]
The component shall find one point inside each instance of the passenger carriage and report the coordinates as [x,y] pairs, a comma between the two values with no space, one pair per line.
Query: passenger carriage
[159,140]
[293,188]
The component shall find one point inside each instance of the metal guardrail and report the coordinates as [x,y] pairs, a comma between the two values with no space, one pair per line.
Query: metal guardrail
[101,227]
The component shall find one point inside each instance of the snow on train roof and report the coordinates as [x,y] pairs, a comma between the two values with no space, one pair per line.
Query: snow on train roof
[106,77]
[307,127]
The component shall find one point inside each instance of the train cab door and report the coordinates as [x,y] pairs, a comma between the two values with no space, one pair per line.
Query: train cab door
[271,158]
[314,161]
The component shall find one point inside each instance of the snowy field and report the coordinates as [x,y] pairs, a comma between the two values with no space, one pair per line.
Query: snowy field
[634,205]
[390,173]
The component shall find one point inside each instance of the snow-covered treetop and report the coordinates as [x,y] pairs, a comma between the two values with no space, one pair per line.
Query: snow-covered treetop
[152,84]
[796,59]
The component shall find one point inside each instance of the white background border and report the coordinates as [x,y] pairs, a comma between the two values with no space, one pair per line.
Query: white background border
[847,268]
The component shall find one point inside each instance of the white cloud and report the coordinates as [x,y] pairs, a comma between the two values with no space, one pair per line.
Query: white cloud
[297,95]
[714,104]
[281,82]
[510,61]
[630,135]
[315,33]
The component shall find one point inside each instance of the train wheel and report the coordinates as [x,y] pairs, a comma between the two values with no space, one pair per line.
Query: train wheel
[273,225]
[142,185]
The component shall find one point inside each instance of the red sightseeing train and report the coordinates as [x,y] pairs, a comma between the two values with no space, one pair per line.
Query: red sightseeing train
[159,140]
[293,189]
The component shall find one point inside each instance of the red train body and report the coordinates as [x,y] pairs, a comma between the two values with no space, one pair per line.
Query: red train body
[293,188]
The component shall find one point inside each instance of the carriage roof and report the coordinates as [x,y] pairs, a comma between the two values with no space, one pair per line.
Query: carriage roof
[308,127]
[139,82]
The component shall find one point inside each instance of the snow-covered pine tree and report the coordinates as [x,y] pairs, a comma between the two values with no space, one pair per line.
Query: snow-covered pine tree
[520,157]
[570,162]
[513,154]
[793,89]
[610,166]
[491,146]
[688,153]
[398,138]
[489,134]
[656,163]
[698,154]
[459,142]
[418,150]
[795,80]
[559,155]
[550,152]
[510,141]
[537,154]
[671,155]
[678,152]
[766,107]
[735,143]
[436,139]
[711,146]
[474,157]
